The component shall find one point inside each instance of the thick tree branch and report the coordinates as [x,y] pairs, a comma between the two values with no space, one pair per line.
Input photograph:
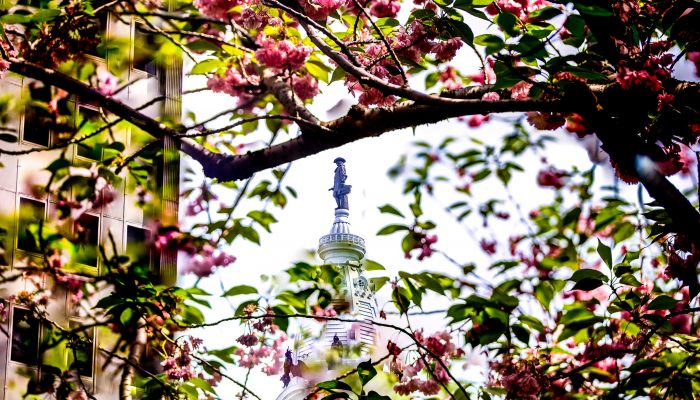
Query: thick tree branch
[91,95]
[358,124]
[135,351]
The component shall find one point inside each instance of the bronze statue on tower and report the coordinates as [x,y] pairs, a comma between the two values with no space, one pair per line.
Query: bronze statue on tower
[340,189]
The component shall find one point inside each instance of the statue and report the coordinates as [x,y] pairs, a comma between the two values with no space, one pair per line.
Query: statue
[340,189]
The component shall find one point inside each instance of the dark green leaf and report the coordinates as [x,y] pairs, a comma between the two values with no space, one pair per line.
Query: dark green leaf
[662,302]
[240,289]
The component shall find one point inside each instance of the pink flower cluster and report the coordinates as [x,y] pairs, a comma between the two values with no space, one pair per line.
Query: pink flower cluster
[252,19]
[523,379]
[551,177]
[694,57]
[219,9]
[305,86]
[235,83]
[107,83]
[203,263]
[449,78]
[424,243]
[179,365]
[269,355]
[319,10]
[323,312]
[440,347]
[521,8]
[283,54]
[385,8]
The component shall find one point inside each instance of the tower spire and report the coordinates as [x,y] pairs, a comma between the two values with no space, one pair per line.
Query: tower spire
[355,299]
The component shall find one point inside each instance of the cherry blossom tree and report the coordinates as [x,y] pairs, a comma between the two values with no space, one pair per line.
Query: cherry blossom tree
[599,293]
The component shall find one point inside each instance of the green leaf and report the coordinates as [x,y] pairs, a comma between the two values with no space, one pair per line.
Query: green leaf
[366,371]
[58,164]
[630,280]
[337,395]
[492,43]
[662,302]
[508,23]
[240,289]
[605,253]
[593,10]
[45,15]
[389,229]
[15,19]
[544,13]
[462,30]
[588,273]
[389,209]
[334,385]
[206,66]
[587,284]
[373,266]
[318,70]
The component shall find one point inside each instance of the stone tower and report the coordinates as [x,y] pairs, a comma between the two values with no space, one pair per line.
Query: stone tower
[355,299]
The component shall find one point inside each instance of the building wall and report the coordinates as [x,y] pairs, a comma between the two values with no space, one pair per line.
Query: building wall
[121,219]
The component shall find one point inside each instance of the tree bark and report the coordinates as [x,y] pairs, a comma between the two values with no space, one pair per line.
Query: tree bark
[135,352]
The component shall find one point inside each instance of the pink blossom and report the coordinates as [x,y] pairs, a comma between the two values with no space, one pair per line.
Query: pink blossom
[576,124]
[248,340]
[4,66]
[488,246]
[385,8]
[491,96]
[206,260]
[282,54]
[545,121]
[217,8]
[320,9]
[520,90]
[306,86]
[252,19]
[446,51]
[694,57]
[106,83]
[373,96]
[630,78]
[551,177]
[235,83]
[477,120]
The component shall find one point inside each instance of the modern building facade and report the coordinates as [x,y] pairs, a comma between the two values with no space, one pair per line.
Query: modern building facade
[22,204]
[338,344]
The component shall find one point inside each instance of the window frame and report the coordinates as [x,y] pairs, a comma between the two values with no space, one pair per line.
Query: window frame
[93,270]
[34,255]
[150,254]
[23,121]
[132,59]
[11,332]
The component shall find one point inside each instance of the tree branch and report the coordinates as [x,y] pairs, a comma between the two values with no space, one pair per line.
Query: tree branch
[358,124]
[135,351]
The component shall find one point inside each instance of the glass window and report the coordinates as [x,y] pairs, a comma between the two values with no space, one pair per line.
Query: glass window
[80,352]
[144,51]
[88,231]
[37,117]
[31,213]
[25,337]
[101,19]
[137,244]
[88,121]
